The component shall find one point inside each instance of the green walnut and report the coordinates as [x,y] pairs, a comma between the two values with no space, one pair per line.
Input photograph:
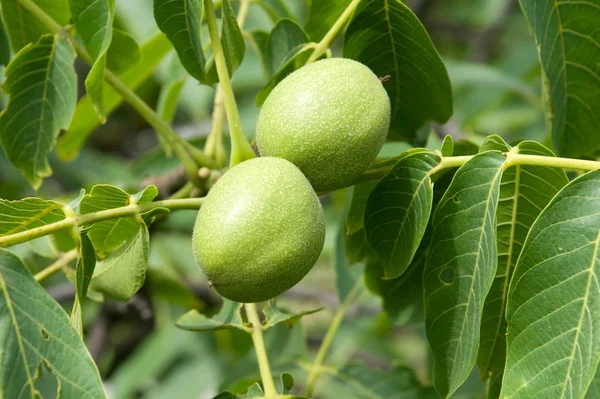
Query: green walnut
[259,231]
[330,118]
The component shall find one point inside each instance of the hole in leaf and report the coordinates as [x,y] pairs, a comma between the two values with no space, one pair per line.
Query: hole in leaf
[46,384]
[447,275]
[455,198]
[45,334]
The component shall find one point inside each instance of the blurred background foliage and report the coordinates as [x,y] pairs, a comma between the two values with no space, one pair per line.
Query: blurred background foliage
[492,62]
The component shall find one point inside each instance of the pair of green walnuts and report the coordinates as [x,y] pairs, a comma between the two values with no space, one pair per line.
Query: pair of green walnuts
[261,228]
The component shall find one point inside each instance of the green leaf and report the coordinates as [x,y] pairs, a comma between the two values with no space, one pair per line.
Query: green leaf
[24,28]
[109,235]
[524,191]
[255,391]
[447,146]
[123,53]
[322,16]
[35,333]
[553,309]
[27,214]
[180,20]
[258,40]
[5,54]
[228,317]
[298,58]
[85,121]
[233,44]
[403,296]
[365,382]
[93,21]
[42,88]
[355,220]
[287,382]
[567,37]
[275,315]
[86,262]
[460,268]
[122,273]
[284,38]
[398,211]
[386,36]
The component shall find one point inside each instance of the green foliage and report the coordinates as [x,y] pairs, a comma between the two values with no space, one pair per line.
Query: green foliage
[477,247]
[41,85]
[85,121]
[122,273]
[567,40]
[460,268]
[180,21]
[395,231]
[36,335]
[544,295]
[23,28]
[94,26]
[387,37]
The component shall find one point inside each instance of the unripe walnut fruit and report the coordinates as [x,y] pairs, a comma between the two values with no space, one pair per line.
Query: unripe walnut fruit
[259,231]
[329,118]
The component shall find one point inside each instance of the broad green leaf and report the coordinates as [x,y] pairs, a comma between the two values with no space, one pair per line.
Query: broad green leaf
[123,53]
[109,235]
[275,315]
[228,317]
[460,268]
[42,92]
[356,213]
[322,16]
[298,58]
[258,40]
[403,296]
[524,191]
[93,21]
[567,37]
[553,309]
[285,36]
[398,210]
[35,333]
[364,382]
[122,273]
[356,247]
[27,214]
[447,146]
[180,20]
[24,28]
[85,121]
[5,53]
[233,44]
[387,37]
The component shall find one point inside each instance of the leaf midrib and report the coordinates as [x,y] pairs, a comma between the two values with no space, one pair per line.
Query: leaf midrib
[508,262]
[487,205]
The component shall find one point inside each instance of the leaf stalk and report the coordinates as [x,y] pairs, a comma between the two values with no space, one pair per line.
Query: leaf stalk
[240,147]
[261,352]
